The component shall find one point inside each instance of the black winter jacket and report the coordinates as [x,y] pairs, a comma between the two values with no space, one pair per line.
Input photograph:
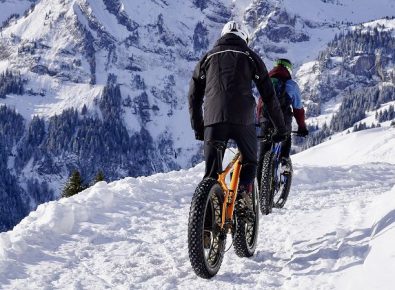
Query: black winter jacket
[224,76]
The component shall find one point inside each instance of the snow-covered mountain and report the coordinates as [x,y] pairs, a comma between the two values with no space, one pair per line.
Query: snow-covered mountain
[357,65]
[101,85]
[335,232]
[109,92]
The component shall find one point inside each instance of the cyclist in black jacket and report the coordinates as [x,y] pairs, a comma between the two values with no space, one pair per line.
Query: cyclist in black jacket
[222,84]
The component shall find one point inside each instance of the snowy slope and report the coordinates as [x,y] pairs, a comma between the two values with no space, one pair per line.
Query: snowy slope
[13,7]
[337,225]
[357,148]
[379,263]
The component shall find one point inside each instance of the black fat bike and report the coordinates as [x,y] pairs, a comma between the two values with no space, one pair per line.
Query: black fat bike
[276,179]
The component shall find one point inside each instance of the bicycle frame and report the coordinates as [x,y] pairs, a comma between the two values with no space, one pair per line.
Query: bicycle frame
[276,149]
[228,205]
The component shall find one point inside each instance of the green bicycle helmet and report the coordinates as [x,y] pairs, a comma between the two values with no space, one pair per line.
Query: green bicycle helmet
[285,63]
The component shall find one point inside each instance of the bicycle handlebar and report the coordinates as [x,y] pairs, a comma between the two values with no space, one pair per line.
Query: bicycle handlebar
[269,136]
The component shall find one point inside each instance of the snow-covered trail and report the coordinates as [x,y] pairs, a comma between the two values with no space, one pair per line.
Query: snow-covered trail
[132,234]
[338,224]
[325,228]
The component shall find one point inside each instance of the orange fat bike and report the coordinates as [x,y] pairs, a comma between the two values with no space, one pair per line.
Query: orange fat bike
[213,216]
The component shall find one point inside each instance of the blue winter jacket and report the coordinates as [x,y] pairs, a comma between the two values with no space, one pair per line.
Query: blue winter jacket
[293,91]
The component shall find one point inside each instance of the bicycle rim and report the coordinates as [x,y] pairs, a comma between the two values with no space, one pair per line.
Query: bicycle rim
[283,188]
[212,248]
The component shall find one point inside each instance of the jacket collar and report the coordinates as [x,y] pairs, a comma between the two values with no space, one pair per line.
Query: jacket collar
[232,40]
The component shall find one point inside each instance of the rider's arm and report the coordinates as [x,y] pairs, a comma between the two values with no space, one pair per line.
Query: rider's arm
[293,92]
[268,95]
[197,86]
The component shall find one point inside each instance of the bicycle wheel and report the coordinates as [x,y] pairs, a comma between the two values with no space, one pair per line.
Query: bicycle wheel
[206,240]
[267,183]
[284,186]
[246,231]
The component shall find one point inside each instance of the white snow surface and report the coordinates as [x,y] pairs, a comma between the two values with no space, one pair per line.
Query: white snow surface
[335,232]
[373,145]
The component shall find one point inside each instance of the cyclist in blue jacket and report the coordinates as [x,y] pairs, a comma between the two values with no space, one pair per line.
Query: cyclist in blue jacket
[289,96]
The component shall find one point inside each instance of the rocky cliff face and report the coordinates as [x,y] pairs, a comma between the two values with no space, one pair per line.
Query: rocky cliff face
[357,59]
[351,80]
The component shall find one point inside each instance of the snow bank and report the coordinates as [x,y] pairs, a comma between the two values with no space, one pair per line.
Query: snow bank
[56,218]
[377,271]
[57,100]
[107,224]
[373,145]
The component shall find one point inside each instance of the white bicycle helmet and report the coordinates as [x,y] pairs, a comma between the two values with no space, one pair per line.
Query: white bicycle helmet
[236,28]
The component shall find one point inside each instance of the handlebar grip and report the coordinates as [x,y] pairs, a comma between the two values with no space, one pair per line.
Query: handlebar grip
[297,134]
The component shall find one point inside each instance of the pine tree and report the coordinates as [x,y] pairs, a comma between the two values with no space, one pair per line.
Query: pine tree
[74,185]
[84,110]
[99,177]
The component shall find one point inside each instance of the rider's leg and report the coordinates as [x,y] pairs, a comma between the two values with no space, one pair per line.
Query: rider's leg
[264,147]
[286,145]
[245,137]
[217,132]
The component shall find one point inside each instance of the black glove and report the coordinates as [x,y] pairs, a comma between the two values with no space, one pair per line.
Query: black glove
[199,135]
[279,137]
[303,132]
[199,132]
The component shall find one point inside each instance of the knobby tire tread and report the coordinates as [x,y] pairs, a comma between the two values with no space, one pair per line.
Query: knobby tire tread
[195,231]
[266,189]
[241,246]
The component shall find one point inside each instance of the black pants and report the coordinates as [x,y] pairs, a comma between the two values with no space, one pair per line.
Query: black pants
[246,140]
[265,147]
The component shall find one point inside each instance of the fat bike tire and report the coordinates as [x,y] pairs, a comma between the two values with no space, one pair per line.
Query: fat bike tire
[246,232]
[206,241]
[267,181]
